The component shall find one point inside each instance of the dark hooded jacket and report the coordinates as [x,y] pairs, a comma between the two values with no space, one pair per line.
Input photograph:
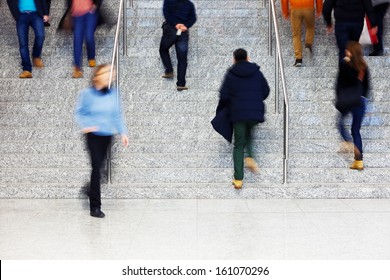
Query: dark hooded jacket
[179,11]
[243,92]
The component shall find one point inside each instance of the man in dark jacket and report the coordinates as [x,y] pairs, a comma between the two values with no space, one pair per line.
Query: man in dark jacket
[30,13]
[179,17]
[243,92]
[349,16]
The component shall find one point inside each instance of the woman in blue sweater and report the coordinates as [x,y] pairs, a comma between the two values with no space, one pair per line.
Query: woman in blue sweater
[99,116]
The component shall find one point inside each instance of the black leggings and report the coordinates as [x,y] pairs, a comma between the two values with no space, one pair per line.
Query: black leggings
[97,147]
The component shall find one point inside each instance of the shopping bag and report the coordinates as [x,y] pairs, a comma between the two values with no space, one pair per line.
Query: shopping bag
[367,37]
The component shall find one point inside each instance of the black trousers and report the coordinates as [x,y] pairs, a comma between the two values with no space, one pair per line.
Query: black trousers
[97,147]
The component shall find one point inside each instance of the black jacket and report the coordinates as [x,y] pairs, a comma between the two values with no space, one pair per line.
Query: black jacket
[41,5]
[179,11]
[243,91]
[348,77]
[348,11]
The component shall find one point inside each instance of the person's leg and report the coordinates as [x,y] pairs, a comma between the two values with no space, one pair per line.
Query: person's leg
[240,141]
[90,27]
[342,37]
[357,119]
[181,46]
[380,12]
[78,38]
[39,30]
[167,40]
[22,28]
[309,18]
[250,161]
[97,146]
[296,27]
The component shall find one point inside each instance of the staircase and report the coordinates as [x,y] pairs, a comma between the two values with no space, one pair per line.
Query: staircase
[173,151]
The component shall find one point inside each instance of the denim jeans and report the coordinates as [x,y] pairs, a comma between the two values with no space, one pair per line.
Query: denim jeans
[242,140]
[357,119]
[84,28]
[97,146]
[347,31]
[23,24]
[169,39]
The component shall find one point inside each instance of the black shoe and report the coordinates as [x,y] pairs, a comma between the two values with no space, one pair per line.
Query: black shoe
[298,63]
[376,53]
[46,24]
[167,75]
[97,213]
[180,88]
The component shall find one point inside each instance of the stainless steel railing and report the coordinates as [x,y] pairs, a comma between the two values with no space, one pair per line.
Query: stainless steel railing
[122,14]
[279,68]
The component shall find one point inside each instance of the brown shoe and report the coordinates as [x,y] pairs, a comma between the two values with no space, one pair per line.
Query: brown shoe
[167,75]
[180,88]
[77,73]
[237,184]
[251,164]
[92,63]
[37,62]
[25,74]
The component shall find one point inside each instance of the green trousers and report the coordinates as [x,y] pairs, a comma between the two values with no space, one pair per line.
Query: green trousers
[242,140]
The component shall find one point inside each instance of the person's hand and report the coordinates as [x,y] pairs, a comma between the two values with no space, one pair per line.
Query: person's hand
[374,30]
[46,18]
[329,29]
[125,140]
[89,129]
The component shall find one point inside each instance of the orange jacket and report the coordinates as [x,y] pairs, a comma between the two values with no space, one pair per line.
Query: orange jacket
[300,4]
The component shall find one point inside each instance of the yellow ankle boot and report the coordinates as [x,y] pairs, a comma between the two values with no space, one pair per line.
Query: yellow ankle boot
[250,163]
[357,164]
[237,184]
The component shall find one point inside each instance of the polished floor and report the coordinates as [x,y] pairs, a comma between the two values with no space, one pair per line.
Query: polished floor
[196,229]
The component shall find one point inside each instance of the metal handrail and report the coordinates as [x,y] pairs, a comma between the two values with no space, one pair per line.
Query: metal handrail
[115,62]
[279,64]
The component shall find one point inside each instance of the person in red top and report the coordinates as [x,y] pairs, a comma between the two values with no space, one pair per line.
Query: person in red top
[300,11]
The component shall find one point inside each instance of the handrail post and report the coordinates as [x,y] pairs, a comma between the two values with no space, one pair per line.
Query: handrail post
[269,29]
[279,63]
[114,61]
[124,29]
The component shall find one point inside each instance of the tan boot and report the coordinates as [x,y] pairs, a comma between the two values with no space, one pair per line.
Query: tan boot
[25,75]
[237,184]
[346,147]
[357,164]
[92,63]
[250,163]
[77,73]
[37,62]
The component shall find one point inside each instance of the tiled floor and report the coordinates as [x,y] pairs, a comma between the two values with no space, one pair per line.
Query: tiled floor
[196,229]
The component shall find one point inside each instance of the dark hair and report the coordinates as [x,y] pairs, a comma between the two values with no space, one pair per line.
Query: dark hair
[240,55]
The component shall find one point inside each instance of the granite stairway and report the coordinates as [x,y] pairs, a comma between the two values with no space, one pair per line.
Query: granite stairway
[173,151]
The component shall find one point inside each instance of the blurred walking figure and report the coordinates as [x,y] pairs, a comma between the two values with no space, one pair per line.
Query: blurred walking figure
[84,19]
[179,17]
[351,93]
[349,16]
[300,11]
[99,117]
[243,92]
[28,13]
[380,9]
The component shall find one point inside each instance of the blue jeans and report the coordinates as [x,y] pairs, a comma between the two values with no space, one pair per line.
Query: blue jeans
[23,24]
[169,39]
[84,28]
[347,31]
[357,119]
